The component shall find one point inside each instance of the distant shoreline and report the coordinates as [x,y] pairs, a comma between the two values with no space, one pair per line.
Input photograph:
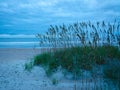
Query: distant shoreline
[18,53]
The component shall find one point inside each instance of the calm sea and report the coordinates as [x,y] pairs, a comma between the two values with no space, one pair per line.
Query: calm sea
[18,41]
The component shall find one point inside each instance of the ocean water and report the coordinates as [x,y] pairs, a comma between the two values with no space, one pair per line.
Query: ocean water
[18,41]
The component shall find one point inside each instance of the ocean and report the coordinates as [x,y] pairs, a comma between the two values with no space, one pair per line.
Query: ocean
[18,41]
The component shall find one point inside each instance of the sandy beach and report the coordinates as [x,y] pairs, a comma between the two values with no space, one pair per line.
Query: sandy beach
[13,76]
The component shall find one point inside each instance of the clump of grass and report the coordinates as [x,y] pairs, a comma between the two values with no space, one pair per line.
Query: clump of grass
[112,52]
[47,61]
[54,81]
[83,45]
[29,66]
[48,72]
[42,59]
[75,58]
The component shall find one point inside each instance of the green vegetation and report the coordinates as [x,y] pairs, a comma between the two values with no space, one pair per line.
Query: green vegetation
[47,61]
[113,73]
[29,66]
[79,46]
[54,81]
[76,58]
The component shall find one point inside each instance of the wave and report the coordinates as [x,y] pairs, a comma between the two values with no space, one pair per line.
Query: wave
[17,36]
[17,43]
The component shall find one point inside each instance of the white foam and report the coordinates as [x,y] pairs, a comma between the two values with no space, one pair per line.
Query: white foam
[17,43]
[17,36]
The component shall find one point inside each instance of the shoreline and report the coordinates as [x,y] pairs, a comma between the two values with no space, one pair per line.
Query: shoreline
[18,53]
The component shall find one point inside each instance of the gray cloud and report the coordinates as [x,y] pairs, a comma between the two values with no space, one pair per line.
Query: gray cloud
[35,14]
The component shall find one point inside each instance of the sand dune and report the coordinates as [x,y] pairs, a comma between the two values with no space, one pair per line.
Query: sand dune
[14,77]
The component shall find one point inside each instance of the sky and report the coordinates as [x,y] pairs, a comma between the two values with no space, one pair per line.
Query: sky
[35,16]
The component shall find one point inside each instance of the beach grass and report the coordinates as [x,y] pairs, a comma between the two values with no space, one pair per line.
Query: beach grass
[80,46]
[29,66]
[76,57]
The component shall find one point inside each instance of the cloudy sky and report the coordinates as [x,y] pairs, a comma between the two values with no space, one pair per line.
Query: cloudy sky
[35,16]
